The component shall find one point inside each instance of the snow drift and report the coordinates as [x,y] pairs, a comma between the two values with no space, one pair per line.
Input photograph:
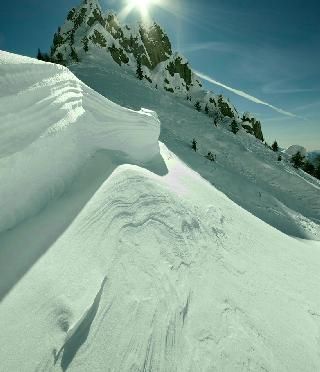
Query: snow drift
[165,274]
[51,123]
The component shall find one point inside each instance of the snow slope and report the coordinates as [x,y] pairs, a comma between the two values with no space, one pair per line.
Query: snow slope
[131,269]
[245,170]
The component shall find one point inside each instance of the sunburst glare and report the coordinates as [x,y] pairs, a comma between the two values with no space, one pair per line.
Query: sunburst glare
[143,6]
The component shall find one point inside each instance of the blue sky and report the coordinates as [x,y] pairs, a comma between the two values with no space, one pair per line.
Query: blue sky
[267,49]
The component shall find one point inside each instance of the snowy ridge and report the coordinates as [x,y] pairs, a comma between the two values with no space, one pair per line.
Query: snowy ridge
[151,280]
[90,32]
[245,170]
[47,113]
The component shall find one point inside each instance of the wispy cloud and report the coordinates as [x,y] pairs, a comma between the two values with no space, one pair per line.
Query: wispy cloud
[291,90]
[285,87]
[309,105]
[244,94]
[215,46]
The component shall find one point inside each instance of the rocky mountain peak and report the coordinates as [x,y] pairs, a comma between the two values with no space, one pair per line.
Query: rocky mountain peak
[145,47]
[91,4]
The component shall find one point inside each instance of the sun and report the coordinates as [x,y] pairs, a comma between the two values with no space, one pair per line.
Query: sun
[142,6]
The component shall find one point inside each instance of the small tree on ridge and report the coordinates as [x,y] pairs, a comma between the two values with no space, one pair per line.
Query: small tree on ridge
[139,71]
[297,160]
[194,144]
[275,146]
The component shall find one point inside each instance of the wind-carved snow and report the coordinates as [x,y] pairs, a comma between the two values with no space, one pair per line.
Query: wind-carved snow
[152,271]
[188,286]
[78,334]
[47,113]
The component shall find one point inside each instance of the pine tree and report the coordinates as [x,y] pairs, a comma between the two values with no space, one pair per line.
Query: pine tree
[72,37]
[234,127]
[43,56]
[46,57]
[39,55]
[198,106]
[297,160]
[317,172]
[60,59]
[206,109]
[85,42]
[308,167]
[194,145]
[275,146]
[57,39]
[317,168]
[139,71]
[279,158]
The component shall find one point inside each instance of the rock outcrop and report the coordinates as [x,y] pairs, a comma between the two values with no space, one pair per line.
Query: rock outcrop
[87,28]
[252,125]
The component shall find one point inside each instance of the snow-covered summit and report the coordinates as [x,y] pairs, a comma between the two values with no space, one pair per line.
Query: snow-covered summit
[88,31]
[292,150]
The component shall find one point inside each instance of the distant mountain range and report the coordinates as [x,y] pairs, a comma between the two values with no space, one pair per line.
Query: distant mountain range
[147,50]
[313,156]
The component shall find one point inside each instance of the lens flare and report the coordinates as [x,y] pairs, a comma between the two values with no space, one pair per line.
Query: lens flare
[143,6]
[140,4]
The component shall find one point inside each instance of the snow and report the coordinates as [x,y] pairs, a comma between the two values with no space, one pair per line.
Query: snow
[159,77]
[271,190]
[64,121]
[148,257]
[292,150]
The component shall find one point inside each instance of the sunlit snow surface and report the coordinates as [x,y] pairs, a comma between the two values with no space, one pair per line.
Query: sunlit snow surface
[119,259]
[245,170]
[50,124]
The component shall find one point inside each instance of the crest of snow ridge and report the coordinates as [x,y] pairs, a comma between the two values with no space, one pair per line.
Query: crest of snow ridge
[87,28]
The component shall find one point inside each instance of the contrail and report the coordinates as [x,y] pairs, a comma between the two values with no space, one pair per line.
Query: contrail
[244,94]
